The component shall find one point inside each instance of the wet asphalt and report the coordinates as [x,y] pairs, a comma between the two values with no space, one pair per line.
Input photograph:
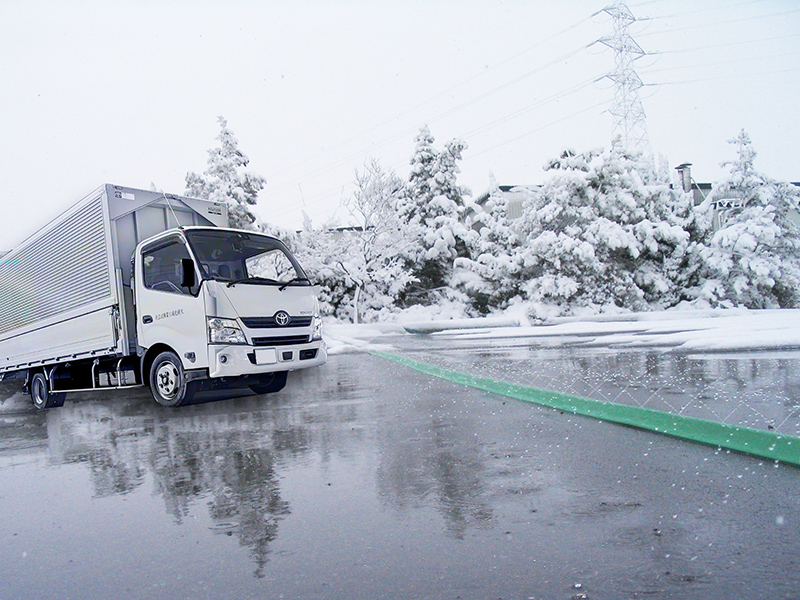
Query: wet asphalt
[364,479]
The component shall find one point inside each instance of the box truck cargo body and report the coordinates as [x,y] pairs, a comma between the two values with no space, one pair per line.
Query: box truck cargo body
[134,287]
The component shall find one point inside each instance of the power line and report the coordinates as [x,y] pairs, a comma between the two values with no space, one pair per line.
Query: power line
[411,130]
[721,77]
[538,129]
[331,194]
[727,7]
[624,78]
[722,63]
[727,44]
[638,4]
[445,92]
[539,104]
[326,195]
[716,23]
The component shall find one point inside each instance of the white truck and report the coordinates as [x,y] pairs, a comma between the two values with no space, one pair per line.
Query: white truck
[131,287]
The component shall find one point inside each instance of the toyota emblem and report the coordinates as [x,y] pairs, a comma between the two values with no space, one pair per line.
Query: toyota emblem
[282,318]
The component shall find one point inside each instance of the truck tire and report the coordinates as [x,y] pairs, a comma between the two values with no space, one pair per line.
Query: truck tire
[267,386]
[41,396]
[168,381]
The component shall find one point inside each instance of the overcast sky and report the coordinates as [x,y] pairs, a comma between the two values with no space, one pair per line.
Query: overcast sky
[129,92]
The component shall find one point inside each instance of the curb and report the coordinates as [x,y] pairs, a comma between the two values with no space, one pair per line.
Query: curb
[755,442]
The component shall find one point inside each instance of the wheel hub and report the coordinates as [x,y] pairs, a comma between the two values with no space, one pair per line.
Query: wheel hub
[38,392]
[167,380]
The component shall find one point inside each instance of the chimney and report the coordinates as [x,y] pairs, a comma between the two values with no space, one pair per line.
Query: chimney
[685,174]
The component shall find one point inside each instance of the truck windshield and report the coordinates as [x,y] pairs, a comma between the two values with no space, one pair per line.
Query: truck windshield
[241,257]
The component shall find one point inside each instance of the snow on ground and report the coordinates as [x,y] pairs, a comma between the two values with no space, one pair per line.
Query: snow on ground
[718,330]
[343,338]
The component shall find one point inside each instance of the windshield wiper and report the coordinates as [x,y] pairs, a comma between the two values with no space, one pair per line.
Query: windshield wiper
[294,280]
[251,280]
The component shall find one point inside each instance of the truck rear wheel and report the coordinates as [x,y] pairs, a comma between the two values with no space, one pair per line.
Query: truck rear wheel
[168,381]
[270,386]
[41,396]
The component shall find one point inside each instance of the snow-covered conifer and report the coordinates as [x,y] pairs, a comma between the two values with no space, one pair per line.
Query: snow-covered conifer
[224,180]
[414,207]
[492,276]
[603,231]
[749,254]
[432,211]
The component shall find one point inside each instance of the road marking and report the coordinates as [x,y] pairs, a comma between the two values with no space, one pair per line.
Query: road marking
[755,442]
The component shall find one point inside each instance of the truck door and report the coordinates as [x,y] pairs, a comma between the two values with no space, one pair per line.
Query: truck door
[168,310]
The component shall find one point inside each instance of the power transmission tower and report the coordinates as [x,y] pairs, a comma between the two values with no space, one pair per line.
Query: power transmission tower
[630,128]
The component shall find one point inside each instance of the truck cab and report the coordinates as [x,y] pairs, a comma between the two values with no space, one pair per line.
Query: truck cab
[220,308]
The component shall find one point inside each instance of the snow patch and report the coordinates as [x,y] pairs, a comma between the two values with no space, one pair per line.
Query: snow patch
[346,338]
[691,331]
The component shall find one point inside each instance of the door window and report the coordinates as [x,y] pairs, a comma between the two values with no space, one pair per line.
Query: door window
[163,267]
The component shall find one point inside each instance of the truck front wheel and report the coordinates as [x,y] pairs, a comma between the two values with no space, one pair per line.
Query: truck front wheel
[41,396]
[270,385]
[168,381]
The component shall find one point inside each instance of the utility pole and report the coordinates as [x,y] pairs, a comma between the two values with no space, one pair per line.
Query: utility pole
[630,129]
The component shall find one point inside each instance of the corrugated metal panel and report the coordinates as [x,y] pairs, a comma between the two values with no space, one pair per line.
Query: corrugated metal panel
[62,270]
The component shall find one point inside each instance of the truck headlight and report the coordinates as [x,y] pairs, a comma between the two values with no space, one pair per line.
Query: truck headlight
[224,331]
[316,329]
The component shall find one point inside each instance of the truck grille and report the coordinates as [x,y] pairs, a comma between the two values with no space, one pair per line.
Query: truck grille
[284,340]
[269,322]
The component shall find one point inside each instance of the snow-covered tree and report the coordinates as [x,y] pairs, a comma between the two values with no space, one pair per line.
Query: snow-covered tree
[432,210]
[318,249]
[751,256]
[417,206]
[603,232]
[492,277]
[362,266]
[225,180]
[376,265]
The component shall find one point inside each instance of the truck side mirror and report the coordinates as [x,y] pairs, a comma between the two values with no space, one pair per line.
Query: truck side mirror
[187,276]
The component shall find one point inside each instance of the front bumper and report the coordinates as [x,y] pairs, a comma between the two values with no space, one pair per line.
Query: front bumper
[232,360]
